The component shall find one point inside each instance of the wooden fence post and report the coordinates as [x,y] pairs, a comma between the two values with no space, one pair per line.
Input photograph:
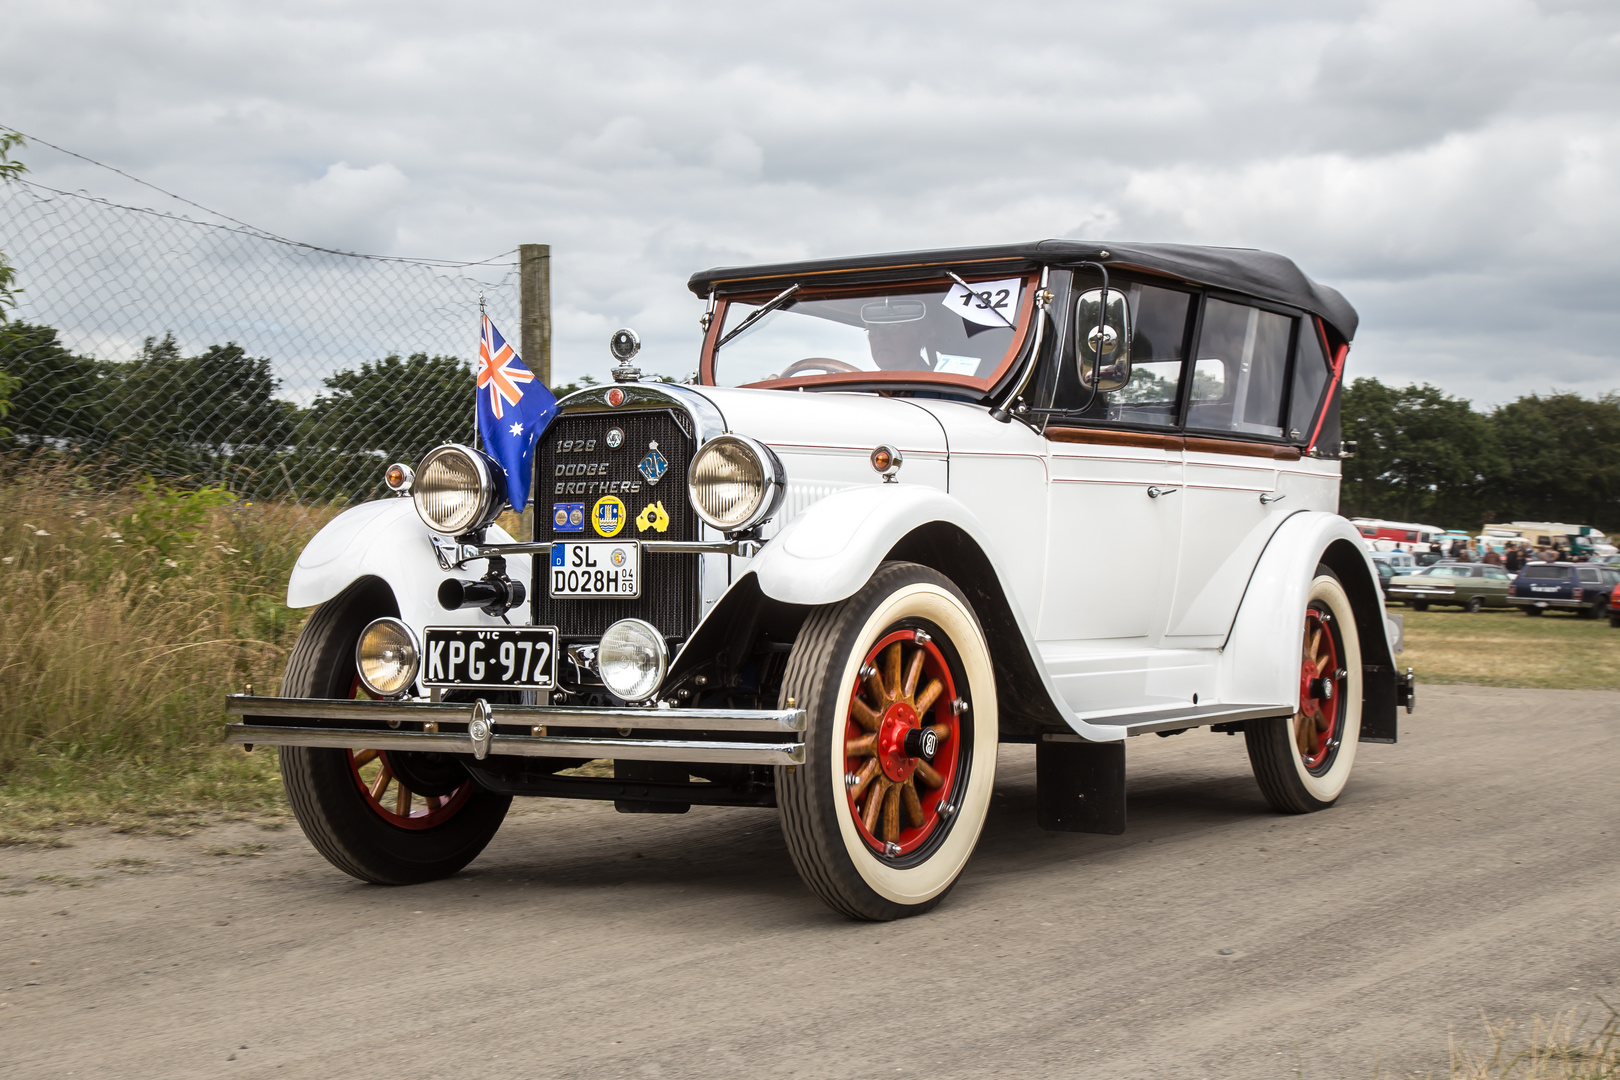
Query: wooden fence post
[534,295]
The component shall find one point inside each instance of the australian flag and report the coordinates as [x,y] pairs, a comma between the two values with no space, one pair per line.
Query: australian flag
[513,411]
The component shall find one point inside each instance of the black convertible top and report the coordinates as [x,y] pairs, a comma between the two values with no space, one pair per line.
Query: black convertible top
[1249,271]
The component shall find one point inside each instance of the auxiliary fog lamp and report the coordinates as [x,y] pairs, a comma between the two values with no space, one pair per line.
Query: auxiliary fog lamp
[387,657]
[632,660]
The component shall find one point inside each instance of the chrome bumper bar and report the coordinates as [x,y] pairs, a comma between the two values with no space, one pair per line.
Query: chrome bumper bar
[476,729]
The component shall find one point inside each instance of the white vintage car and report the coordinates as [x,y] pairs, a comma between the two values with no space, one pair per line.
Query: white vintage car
[913,507]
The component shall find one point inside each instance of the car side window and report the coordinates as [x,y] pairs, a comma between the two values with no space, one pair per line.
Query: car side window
[1242,362]
[1157,336]
[1311,373]
[1589,576]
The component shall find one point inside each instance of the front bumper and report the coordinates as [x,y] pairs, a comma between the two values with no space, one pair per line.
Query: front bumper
[767,737]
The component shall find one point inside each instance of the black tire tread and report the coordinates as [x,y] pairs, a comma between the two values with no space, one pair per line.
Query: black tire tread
[318,783]
[813,838]
[1270,743]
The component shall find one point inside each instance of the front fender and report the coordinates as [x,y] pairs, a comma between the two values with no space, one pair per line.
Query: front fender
[386,539]
[830,550]
[1260,660]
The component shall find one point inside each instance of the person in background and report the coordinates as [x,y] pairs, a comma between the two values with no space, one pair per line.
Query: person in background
[1511,558]
[1490,558]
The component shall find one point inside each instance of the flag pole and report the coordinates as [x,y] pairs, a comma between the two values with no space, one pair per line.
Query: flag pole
[477,442]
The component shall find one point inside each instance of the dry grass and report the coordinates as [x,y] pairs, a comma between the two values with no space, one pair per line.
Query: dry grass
[1567,1047]
[124,618]
[1509,648]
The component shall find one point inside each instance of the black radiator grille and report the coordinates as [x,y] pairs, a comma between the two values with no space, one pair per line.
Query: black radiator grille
[576,465]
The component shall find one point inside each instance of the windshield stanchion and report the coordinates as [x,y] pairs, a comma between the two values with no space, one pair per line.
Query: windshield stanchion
[1002,413]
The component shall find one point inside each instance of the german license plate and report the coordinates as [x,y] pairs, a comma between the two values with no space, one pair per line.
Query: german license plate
[595,571]
[516,658]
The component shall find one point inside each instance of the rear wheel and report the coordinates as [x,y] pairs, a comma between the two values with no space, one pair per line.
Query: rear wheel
[389,817]
[1596,611]
[1420,605]
[1475,603]
[1302,762]
[900,750]
[1533,610]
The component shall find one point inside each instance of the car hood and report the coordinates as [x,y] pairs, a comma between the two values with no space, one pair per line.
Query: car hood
[788,421]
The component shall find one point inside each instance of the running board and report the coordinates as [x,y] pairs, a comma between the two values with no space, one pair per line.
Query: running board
[1143,723]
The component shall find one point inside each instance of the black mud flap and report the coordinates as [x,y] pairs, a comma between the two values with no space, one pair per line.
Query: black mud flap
[1383,691]
[1080,786]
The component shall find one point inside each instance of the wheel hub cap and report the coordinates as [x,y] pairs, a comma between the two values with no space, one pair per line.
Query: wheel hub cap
[902,743]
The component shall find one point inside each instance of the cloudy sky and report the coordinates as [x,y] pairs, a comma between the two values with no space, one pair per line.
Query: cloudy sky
[1453,168]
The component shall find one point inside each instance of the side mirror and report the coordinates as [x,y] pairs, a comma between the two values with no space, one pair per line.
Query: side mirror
[1104,352]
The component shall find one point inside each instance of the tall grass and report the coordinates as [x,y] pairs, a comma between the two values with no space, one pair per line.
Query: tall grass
[1567,1047]
[125,616]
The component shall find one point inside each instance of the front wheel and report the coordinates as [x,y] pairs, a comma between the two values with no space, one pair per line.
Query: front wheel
[1420,605]
[387,817]
[1302,762]
[900,748]
[1533,611]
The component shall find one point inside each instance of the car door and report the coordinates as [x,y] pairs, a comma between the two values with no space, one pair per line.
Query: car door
[1494,585]
[1115,510]
[1231,505]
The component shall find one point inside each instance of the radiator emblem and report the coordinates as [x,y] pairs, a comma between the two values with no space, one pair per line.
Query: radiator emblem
[568,517]
[607,516]
[653,466]
[653,516]
[615,437]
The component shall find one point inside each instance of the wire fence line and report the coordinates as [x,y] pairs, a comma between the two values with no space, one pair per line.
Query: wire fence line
[199,352]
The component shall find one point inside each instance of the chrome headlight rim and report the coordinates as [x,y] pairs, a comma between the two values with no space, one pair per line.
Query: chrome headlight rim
[491,490]
[660,649]
[412,642]
[773,483]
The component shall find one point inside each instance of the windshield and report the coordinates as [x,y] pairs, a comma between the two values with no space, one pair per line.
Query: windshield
[933,333]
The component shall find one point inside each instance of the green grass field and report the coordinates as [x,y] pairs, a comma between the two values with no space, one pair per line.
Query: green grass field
[1510,648]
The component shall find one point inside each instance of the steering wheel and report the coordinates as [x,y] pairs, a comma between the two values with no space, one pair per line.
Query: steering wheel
[810,363]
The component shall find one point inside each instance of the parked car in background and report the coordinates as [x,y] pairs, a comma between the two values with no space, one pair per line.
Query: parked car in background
[1579,587]
[1614,595]
[1386,574]
[1467,585]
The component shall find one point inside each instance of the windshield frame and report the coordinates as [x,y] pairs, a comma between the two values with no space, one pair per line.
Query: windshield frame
[881,380]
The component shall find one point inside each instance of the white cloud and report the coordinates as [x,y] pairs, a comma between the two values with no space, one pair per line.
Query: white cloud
[1450,167]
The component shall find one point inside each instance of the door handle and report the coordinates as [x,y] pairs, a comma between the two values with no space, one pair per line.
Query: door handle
[1155,491]
[1269,497]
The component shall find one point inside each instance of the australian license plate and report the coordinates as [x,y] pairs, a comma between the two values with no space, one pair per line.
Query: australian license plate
[595,570]
[516,658]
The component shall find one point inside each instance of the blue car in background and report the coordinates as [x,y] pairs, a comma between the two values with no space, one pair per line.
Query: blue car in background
[1583,588]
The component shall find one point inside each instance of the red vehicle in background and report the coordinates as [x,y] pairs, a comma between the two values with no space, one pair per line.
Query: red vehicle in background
[1387,535]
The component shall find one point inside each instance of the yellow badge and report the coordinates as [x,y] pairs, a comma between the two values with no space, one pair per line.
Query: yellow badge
[653,516]
[607,516]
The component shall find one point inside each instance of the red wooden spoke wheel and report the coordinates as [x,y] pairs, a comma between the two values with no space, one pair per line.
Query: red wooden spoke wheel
[1318,725]
[410,790]
[900,752]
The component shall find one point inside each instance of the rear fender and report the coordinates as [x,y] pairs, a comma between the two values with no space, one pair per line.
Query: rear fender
[1260,660]
[387,540]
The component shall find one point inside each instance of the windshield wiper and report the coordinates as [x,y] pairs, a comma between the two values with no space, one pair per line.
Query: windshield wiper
[770,305]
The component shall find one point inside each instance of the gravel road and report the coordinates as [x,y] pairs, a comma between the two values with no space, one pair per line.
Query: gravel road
[1471,869]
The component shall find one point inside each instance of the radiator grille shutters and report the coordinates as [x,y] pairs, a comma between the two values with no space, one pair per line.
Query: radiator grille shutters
[577,456]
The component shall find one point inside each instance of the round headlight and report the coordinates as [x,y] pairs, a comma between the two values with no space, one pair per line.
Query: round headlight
[735,483]
[458,489]
[387,657]
[632,659]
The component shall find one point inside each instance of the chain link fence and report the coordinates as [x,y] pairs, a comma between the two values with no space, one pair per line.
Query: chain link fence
[146,343]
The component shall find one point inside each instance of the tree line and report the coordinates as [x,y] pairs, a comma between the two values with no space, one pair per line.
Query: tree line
[1424,455]
[215,417]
